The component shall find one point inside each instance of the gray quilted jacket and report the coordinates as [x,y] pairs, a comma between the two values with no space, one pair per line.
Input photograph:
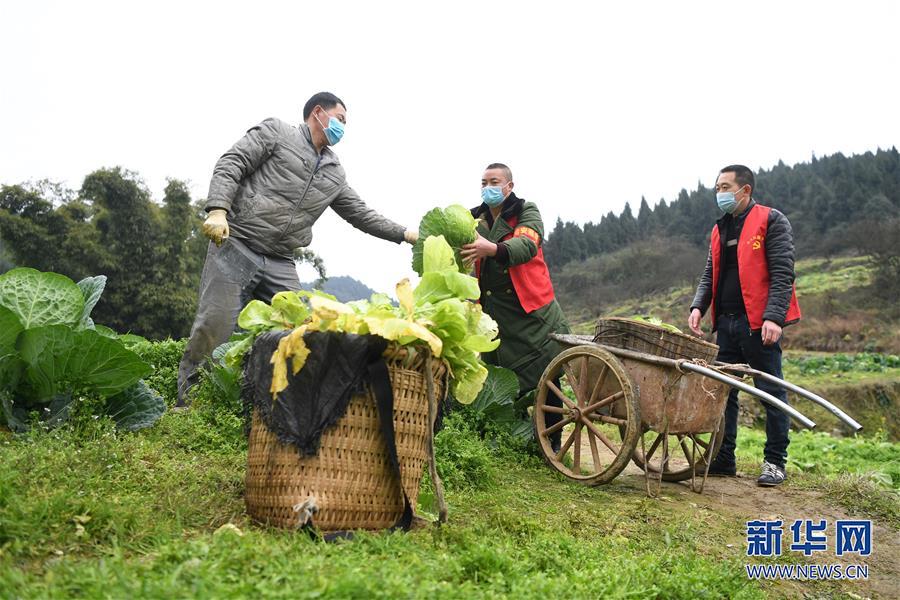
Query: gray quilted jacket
[274,186]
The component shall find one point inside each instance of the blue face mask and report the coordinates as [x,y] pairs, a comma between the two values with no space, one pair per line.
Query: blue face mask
[492,195]
[726,201]
[334,132]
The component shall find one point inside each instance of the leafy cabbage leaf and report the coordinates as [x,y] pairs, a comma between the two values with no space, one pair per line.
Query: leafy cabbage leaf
[291,347]
[110,333]
[60,359]
[466,386]
[11,369]
[257,315]
[438,255]
[40,299]
[91,289]
[10,327]
[484,331]
[441,285]
[440,279]
[403,331]
[455,223]
[496,400]
[135,407]
[289,308]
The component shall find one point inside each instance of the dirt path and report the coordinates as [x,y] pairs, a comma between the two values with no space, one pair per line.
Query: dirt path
[739,499]
[742,500]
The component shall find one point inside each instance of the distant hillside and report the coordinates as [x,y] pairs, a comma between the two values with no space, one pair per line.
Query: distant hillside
[839,208]
[842,311]
[344,288]
[823,199]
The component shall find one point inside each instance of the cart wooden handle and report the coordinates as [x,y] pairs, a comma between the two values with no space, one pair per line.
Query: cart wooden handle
[837,412]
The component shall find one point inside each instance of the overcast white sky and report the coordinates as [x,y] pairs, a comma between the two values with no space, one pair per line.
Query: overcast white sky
[592,105]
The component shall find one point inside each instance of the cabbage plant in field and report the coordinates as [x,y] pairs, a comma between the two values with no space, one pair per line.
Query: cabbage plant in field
[52,353]
[500,408]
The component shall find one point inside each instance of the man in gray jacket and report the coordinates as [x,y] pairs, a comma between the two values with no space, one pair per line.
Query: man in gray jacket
[266,192]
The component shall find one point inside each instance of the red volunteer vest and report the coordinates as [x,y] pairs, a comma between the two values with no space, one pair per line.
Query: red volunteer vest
[531,280]
[753,269]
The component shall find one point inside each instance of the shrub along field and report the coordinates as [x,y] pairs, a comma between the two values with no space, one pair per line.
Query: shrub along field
[89,511]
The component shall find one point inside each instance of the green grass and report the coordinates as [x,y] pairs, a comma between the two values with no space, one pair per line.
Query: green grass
[817,453]
[824,364]
[860,473]
[825,369]
[98,514]
[89,512]
[163,356]
[810,381]
[821,275]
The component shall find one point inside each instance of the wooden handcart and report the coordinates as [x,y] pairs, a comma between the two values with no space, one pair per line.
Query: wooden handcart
[643,394]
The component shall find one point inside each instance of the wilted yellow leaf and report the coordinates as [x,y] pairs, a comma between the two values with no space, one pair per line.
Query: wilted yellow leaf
[327,309]
[405,296]
[403,331]
[291,347]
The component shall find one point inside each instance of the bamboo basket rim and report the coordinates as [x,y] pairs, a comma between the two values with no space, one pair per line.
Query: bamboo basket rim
[665,331]
[664,343]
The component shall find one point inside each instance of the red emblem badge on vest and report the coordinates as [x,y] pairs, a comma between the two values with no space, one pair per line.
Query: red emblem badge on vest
[756,241]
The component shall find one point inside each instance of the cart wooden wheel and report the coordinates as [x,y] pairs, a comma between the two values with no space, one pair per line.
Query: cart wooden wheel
[679,455]
[604,400]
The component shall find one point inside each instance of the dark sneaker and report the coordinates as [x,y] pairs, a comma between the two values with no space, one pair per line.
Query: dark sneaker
[722,468]
[772,475]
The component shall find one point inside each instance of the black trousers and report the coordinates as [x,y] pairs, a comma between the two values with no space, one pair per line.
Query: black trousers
[737,344]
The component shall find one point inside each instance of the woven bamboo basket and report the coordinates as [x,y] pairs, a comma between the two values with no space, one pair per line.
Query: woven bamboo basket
[350,478]
[652,339]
